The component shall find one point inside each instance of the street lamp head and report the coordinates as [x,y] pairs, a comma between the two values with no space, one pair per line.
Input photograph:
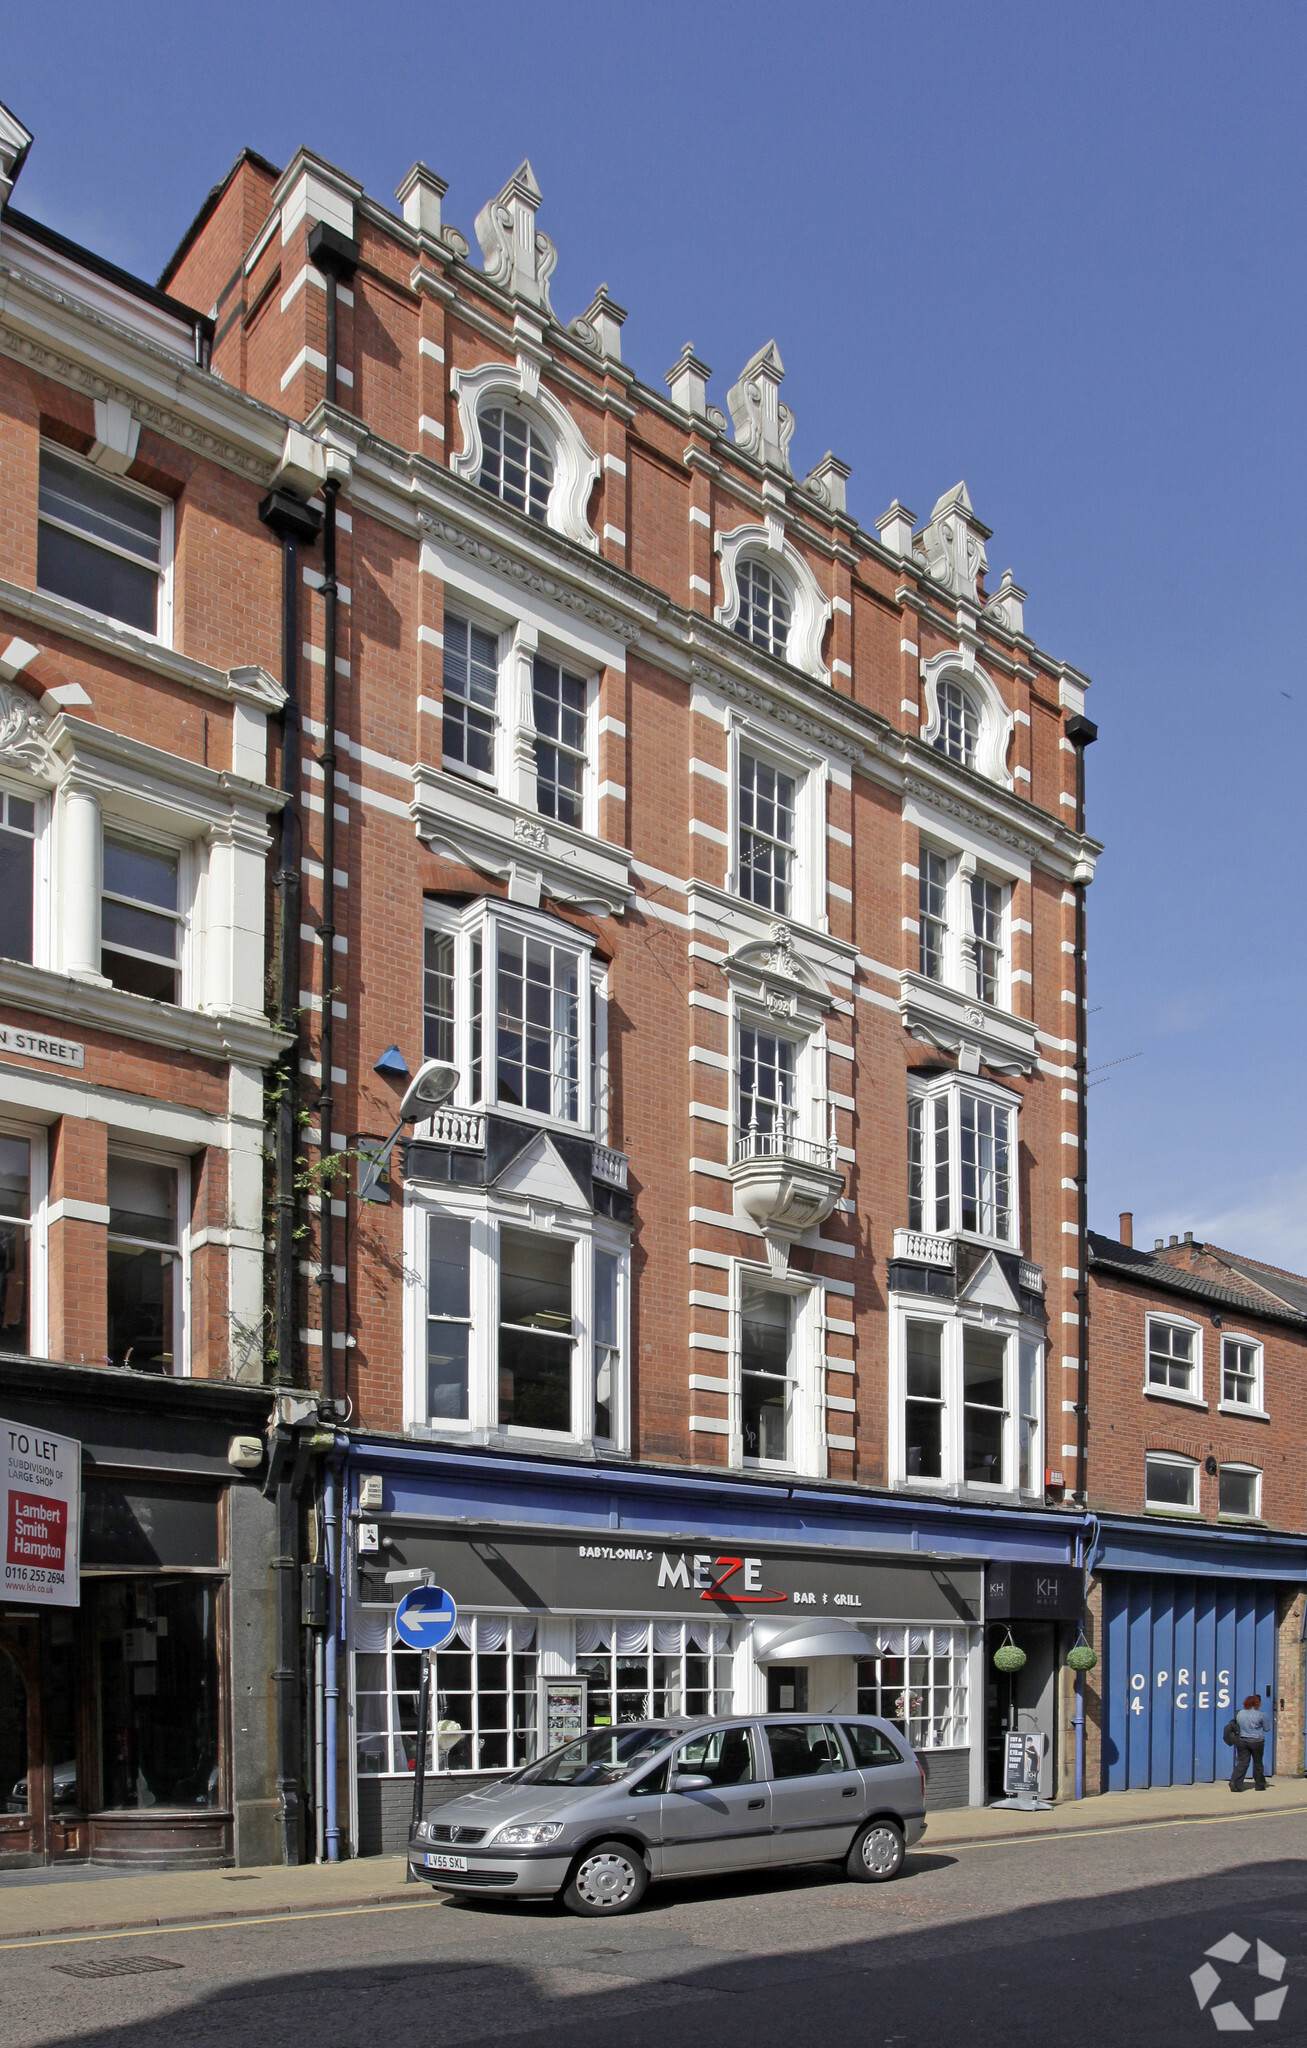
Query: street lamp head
[431,1086]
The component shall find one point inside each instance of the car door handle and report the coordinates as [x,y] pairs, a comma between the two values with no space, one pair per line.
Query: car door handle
[850,1792]
[755,1805]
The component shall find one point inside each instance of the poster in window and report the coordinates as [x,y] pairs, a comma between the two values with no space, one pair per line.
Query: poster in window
[40,1515]
[565,1714]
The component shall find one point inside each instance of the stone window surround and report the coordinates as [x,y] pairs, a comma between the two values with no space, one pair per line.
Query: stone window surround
[905,1308]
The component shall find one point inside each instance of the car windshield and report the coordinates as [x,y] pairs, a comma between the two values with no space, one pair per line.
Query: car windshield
[599,1758]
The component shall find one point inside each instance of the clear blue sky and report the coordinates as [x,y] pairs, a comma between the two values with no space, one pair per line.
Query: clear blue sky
[1058,251]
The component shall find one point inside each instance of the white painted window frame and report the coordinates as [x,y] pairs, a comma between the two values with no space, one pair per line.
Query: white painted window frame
[1257,1410]
[811,1099]
[1190,1398]
[811,773]
[162,636]
[1253,1472]
[905,1308]
[180,1164]
[42,802]
[807,1405]
[1191,1465]
[487,1216]
[36,1138]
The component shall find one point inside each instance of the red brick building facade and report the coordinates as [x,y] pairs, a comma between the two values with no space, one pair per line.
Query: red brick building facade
[619,695]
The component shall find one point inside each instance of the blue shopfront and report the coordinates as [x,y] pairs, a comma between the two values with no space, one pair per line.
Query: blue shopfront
[1193,1623]
[661,1592]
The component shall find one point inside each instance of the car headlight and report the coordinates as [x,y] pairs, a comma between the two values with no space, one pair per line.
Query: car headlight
[424,1831]
[528,1834]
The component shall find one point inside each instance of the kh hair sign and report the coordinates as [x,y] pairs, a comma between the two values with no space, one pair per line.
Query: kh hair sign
[40,1515]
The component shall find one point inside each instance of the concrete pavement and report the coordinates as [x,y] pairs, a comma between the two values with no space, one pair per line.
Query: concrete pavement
[177,1898]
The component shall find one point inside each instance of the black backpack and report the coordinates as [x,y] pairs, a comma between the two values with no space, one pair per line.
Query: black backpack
[1232,1732]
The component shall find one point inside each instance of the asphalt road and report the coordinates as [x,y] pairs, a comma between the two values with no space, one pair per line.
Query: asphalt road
[1088,1939]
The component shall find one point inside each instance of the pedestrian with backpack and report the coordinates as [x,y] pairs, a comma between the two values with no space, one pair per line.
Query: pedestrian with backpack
[1247,1732]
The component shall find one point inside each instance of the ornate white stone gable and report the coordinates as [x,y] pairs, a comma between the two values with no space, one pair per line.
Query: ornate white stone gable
[517,257]
[772,973]
[576,466]
[538,1175]
[810,608]
[995,720]
[953,545]
[763,425]
[988,1287]
[23,742]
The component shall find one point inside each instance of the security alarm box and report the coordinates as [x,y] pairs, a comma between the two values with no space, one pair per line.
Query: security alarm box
[372,1497]
[368,1538]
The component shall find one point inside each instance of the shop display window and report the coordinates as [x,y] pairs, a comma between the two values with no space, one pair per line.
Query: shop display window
[918,1681]
[484,1688]
[643,1670]
[154,1644]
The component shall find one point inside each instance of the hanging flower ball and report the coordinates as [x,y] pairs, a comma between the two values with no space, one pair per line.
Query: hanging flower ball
[1082,1658]
[1009,1657]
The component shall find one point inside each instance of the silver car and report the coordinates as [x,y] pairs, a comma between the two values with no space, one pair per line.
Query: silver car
[603,1817]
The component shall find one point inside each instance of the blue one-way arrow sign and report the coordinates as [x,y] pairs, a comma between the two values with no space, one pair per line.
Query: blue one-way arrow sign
[425,1618]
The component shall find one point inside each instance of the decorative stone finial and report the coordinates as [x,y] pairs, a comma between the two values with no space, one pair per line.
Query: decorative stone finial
[600,326]
[953,545]
[763,425]
[687,380]
[829,482]
[517,258]
[1007,605]
[420,195]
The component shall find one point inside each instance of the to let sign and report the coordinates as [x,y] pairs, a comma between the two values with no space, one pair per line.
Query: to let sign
[40,1515]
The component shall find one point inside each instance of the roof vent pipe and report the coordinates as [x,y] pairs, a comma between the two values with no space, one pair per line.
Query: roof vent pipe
[1127,1232]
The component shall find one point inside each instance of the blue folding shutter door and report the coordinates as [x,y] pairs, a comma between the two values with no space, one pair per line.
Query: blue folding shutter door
[1180,1656]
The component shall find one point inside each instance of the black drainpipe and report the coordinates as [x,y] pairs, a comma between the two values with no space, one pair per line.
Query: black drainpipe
[336,256]
[296,526]
[1081,732]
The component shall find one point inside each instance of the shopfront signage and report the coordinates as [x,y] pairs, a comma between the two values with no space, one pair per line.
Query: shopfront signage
[40,1518]
[42,1045]
[542,1575]
[1034,1592]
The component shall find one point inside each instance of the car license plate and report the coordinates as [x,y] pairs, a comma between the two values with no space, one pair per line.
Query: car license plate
[446,1862]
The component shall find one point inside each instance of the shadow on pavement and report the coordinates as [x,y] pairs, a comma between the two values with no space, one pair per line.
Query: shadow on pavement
[1110,1970]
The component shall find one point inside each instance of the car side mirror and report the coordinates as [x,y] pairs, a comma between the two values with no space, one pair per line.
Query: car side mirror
[691,1781]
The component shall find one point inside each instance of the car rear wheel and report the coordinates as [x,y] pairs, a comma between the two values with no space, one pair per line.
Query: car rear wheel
[877,1853]
[606,1880]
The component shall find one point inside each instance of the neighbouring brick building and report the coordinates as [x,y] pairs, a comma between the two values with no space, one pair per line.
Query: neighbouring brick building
[1198,1477]
[139,601]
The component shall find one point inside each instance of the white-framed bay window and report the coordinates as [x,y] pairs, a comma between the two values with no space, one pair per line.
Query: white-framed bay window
[966,1400]
[518,1321]
[777,823]
[962,1158]
[776,1372]
[518,1002]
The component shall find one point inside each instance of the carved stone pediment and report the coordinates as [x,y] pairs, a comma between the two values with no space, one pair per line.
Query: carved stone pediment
[772,973]
[517,257]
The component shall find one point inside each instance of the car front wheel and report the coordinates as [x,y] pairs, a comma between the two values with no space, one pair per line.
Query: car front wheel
[877,1853]
[606,1880]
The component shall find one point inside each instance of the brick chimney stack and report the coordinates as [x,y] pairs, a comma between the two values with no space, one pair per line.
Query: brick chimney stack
[1127,1232]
